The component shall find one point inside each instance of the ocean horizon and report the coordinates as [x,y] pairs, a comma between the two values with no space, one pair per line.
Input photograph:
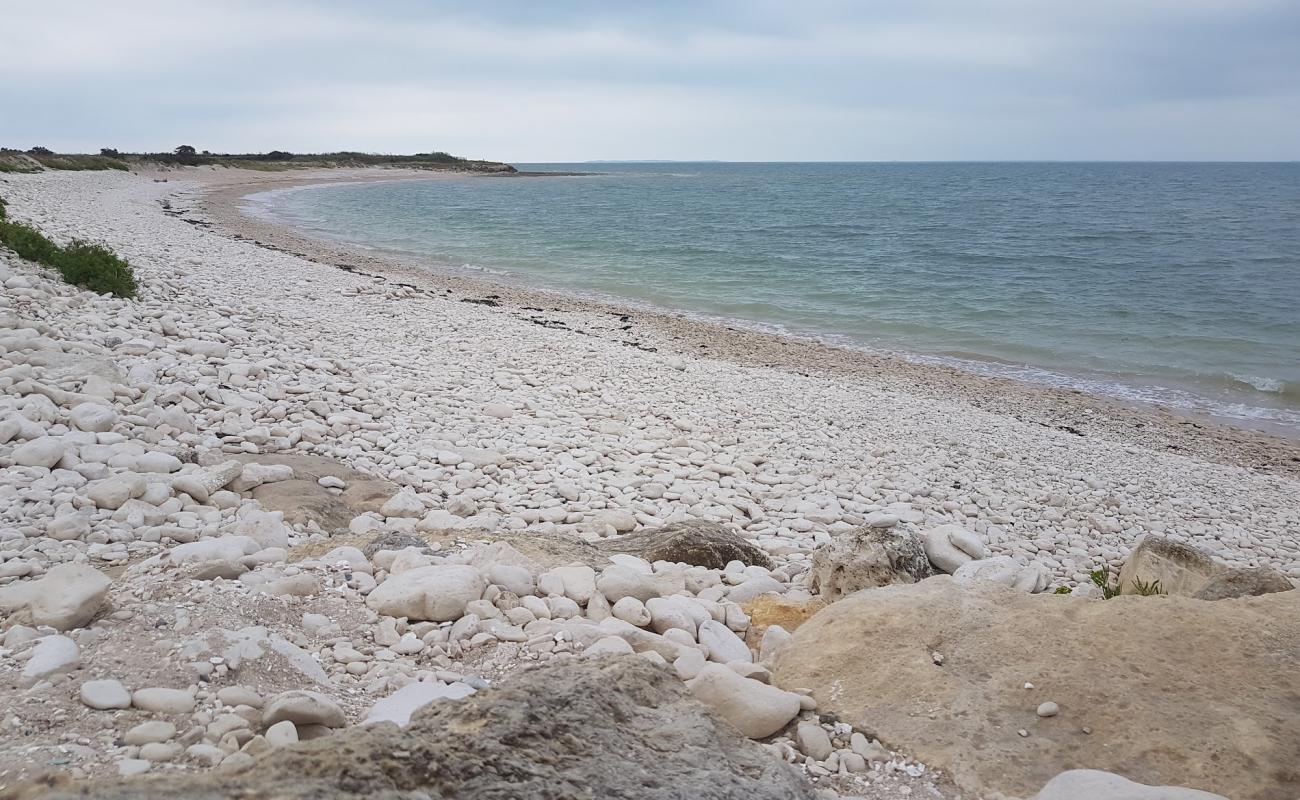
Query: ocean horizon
[1169,283]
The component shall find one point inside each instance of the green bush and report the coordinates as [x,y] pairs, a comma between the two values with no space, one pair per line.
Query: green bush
[96,268]
[28,243]
[2,209]
[91,266]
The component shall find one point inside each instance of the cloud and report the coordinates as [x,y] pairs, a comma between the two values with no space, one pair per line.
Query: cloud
[927,79]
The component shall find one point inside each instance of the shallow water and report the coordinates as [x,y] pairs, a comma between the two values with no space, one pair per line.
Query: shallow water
[1176,284]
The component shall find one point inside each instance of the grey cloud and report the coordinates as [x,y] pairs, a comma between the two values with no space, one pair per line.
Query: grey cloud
[930,79]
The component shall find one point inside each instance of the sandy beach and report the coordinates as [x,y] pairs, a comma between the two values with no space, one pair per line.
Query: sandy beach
[400,403]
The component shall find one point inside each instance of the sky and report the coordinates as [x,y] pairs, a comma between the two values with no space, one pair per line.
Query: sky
[751,80]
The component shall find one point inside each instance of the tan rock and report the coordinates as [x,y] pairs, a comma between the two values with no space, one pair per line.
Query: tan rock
[865,558]
[1175,690]
[1181,569]
[770,609]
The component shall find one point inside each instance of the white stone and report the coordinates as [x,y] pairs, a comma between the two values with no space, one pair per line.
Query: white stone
[813,740]
[724,645]
[633,611]
[151,731]
[67,597]
[438,593]
[163,700]
[93,418]
[52,655]
[755,709]
[303,707]
[404,504]
[512,578]
[608,646]
[282,733]
[43,452]
[400,705]
[618,581]
[1033,577]
[105,694]
[950,546]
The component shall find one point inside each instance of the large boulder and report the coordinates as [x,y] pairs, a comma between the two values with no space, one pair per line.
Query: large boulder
[865,558]
[613,728]
[697,542]
[438,593]
[1173,567]
[1173,690]
[1092,784]
[1031,577]
[67,597]
[754,708]
[302,498]
[950,546]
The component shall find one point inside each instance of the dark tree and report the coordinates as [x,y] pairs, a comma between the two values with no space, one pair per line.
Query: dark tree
[111,152]
[186,150]
[41,151]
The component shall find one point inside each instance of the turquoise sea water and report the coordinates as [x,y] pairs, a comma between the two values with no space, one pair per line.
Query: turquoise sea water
[1176,284]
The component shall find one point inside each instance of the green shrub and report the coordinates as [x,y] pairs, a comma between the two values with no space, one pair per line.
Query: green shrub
[91,266]
[28,242]
[1101,577]
[96,268]
[2,209]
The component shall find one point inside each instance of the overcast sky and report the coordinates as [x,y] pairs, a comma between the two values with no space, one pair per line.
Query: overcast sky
[745,80]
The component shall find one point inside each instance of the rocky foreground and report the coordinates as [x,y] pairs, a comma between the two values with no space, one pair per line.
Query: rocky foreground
[280,530]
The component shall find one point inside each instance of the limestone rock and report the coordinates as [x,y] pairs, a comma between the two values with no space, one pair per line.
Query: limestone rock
[67,597]
[438,593]
[813,740]
[302,707]
[401,704]
[1228,582]
[698,542]
[1032,577]
[755,709]
[51,655]
[92,417]
[1194,670]
[603,728]
[867,557]
[724,645]
[403,504]
[43,452]
[950,546]
[163,700]
[1091,784]
[105,694]
[1181,569]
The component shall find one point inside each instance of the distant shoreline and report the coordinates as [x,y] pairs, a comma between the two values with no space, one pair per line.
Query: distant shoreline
[1069,410]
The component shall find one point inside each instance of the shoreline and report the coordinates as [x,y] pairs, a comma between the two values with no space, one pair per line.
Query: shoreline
[218,200]
[273,433]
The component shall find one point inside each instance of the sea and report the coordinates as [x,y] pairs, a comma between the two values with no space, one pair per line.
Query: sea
[1173,284]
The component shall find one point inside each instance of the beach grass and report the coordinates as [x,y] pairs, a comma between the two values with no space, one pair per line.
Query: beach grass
[85,264]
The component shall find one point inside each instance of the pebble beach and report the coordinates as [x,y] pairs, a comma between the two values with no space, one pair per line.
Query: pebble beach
[491,409]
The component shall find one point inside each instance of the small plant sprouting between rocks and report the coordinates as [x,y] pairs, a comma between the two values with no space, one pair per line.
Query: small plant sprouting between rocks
[1062,590]
[1147,588]
[90,266]
[1101,577]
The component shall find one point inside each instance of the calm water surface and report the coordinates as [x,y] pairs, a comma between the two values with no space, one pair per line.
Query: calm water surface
[1176,284]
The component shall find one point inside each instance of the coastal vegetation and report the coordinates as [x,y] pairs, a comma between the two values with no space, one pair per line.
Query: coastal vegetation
[37,159]
[85,264]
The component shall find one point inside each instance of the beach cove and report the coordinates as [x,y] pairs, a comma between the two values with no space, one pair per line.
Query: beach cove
[496,408]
